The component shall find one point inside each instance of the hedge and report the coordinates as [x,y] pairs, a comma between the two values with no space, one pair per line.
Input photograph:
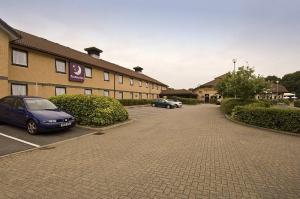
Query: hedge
[280,101]
[91,110]
[132,102]
[297,103]
[274,118]
[190,101]
[228,104]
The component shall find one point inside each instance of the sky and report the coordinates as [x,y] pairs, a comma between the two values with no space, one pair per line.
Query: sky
[181,43]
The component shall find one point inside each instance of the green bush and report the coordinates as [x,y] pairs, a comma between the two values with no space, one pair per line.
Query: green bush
[297,103]
[274,118]
[132,102]
[190,101]
[280,101]
[228,104]
[91,110]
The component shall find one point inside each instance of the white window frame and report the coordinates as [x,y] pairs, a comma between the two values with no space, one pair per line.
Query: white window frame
[88,91]
[59,89]
[89,69]
[106,93]
[146,84]
[140,83]
[120,79]
[58,70]
[15,59]
[15,89]
[120,95]
[131,82]
[106,76]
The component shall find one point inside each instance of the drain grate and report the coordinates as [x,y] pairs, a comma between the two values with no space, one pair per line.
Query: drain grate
[47,148]
[98,133]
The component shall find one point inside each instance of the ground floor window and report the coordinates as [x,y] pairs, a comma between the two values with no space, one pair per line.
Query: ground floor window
[131,95]
[106,93]
[19,89]
[60,91]
[88,91]
[140,96]
[120,95]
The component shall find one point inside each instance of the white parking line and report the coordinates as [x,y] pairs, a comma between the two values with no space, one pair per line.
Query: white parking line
[19,140]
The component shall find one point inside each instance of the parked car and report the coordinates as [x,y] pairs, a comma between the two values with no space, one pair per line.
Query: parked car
[34,113]
[178,104]
[163,103]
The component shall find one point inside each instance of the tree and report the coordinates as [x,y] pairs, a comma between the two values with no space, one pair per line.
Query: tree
[272,78]
[292,82]
[243,84]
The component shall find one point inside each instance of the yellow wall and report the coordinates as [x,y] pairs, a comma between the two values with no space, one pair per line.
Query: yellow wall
[41,70]
[201,92]
[4,57]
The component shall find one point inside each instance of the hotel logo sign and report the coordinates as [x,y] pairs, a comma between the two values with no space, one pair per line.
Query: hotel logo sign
[76,72]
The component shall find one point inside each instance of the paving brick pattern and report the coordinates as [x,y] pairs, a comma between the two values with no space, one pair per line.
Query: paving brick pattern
[193,152]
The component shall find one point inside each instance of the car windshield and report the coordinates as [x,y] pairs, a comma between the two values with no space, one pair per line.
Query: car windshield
[39,104]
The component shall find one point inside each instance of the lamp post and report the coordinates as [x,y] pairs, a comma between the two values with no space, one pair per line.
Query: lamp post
[234,61]
[277,82]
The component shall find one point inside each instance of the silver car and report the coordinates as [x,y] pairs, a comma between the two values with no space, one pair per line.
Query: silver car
[177,103]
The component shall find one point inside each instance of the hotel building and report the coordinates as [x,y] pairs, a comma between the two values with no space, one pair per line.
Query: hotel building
[31,65]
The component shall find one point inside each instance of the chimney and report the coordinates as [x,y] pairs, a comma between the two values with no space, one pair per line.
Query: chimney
[93,52]
[138,69]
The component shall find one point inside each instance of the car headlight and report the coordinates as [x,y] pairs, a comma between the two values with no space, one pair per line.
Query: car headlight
[50,121]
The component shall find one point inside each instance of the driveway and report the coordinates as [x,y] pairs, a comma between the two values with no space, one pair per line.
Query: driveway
[193,152]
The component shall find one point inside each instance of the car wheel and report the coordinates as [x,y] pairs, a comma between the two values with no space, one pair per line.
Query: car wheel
[153,105]
[176,106]
[168,107]
[32,127]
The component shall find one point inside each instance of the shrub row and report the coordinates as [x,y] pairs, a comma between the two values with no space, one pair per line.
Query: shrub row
[274,118]
[280,101]
[190,101]
[297,103]
[91,110]
[132,102]
[228,104]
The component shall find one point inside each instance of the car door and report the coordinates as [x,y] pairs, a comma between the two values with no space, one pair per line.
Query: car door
[6,106]
[19,113]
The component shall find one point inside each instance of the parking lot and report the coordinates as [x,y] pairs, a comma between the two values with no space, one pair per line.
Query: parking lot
[14,139]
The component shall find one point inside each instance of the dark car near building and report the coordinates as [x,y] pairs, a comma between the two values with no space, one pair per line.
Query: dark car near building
[163,103]
[34,113]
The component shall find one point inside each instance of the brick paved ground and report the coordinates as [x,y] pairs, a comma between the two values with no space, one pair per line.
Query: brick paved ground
[183,153]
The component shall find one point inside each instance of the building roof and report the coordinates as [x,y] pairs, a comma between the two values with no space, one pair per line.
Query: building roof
[40,44]
[171,91]
[212,83]
[281,88]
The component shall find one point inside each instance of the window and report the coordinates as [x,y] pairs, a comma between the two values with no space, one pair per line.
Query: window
[120,79]
[60,91]
[120,95]
[18,89]
[88,72]
[106,76]
[60,66]
[147,96]
[156,87]
[131,82]
[146,84]
[140,83]
[19,57]
[140,96]
[106,93]
[88,91]
[8,102]
[19,104]
[131,95]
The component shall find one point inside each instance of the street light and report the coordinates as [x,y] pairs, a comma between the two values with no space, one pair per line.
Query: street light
[234,61]
[277,82]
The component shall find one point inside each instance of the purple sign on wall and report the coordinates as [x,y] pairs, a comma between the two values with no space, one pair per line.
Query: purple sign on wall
[76,72]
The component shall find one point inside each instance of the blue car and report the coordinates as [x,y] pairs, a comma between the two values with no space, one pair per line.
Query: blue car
[34,113]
